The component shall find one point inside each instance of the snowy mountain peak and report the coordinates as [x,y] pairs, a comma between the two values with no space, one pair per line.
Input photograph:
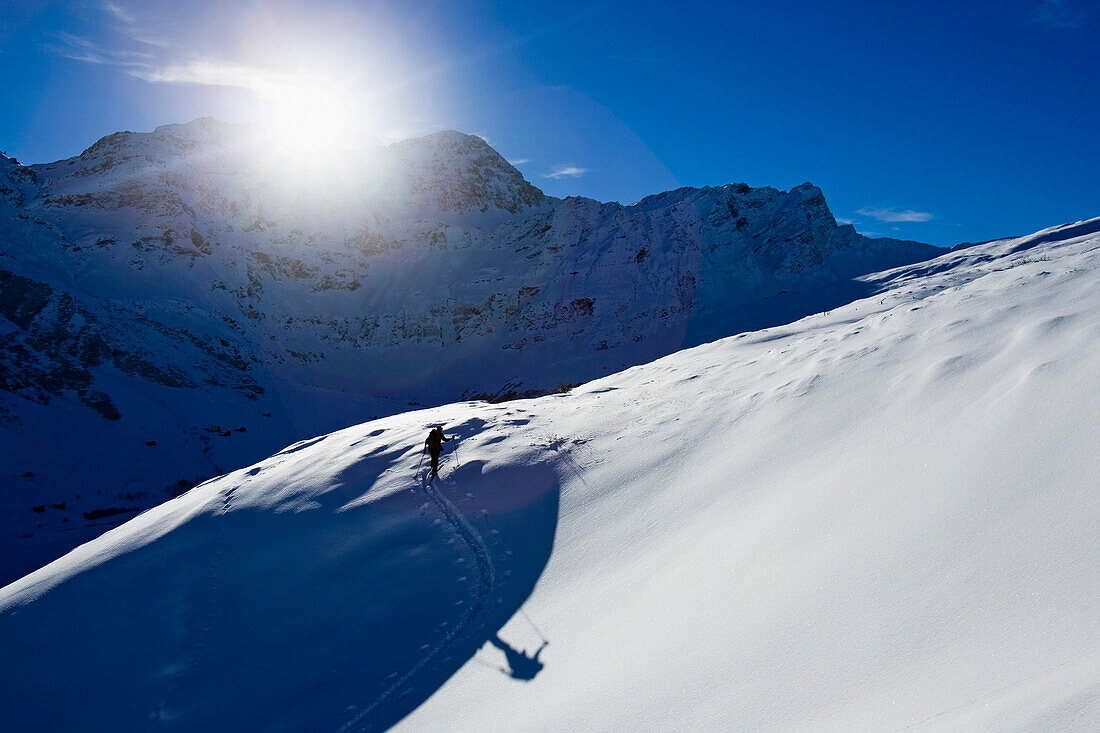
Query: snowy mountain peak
[444,171]
[179,268]
[165,139]
[462,171]
[200,128]
[446,139]
[793,529]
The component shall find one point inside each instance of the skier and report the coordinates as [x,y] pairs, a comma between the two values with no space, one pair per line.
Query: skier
[434,444]
[521,666]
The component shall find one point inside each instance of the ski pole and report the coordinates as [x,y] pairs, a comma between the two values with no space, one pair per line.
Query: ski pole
[536,628]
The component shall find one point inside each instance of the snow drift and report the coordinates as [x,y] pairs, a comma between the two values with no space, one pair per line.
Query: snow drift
[880,517]
[178,304]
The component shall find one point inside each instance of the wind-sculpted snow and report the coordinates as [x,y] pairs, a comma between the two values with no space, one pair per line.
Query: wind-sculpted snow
[883,517]
[178,304]
[879,518]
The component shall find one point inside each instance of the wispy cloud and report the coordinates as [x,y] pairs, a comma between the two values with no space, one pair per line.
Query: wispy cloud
[519,161]
[119,12]
[142,53]
[197,71]
[842,221]
[1058,15]
[130,47]
[153,59]
[216,73]
[83,49]
[566,171]
[893,215]
[264,74]
[126,23]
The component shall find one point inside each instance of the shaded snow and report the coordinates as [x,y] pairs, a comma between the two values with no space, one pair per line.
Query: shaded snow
[883,517]
[178,304]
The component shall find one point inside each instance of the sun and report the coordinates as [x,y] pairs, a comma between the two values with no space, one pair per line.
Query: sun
[310,120]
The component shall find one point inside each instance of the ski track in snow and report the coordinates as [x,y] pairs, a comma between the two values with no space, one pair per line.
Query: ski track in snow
[928,565]
[207,612]
[486,581]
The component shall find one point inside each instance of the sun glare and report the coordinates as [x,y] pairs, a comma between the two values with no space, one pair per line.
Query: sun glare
[311,121]
[318,84]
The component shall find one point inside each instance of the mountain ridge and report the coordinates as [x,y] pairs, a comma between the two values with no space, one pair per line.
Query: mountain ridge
[864,519]
[196,306]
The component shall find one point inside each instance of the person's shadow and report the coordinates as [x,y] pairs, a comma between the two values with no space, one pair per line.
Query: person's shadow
[521,666]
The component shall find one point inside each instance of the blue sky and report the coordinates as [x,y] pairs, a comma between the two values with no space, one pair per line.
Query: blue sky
[936,121]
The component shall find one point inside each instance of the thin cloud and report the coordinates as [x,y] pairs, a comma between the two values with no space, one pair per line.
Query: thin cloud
[196,71]
[127,24]
[152,60]
[79,48]
[843,221]
[893,215]
[1058,15]
[519,161]
[566,171]
[120,13]
[214,73]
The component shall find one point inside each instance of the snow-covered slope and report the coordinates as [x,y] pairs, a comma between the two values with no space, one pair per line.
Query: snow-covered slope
[177,304]
[882,517]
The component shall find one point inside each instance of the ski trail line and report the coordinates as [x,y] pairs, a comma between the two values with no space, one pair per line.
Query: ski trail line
[204,613]
[486,580]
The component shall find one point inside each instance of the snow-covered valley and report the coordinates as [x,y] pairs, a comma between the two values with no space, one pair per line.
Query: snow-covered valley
[882,516]
[179,304]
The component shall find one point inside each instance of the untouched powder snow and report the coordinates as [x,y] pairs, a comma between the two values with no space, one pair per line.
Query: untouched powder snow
[883,517]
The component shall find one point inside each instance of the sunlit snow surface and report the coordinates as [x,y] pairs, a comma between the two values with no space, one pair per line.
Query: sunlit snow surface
[182,303]
[884,517]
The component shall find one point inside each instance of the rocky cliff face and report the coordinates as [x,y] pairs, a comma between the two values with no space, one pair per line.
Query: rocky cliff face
[176,303]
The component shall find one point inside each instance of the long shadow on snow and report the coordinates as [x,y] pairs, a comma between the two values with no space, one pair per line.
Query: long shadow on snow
[345,612]
[1068,231]
[499,523]
[777,309]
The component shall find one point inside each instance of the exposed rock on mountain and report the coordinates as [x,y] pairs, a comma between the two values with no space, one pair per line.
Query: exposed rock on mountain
[161,284]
